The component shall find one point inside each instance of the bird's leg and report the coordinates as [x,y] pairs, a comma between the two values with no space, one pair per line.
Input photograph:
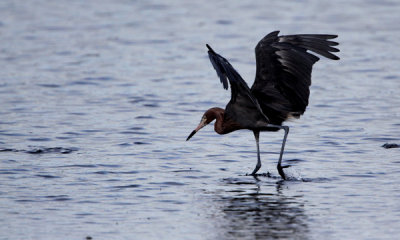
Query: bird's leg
[258,166]
[280,168]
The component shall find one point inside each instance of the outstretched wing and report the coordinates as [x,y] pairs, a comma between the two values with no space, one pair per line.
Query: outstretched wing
[242,104]
[283,75]
[226,73]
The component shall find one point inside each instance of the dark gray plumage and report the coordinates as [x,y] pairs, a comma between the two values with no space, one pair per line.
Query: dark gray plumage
[280,90]
[283,75]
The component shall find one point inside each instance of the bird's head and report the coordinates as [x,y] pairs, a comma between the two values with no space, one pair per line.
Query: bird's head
[208,117]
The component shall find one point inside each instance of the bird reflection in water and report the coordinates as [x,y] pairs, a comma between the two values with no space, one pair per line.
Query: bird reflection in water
[257,215]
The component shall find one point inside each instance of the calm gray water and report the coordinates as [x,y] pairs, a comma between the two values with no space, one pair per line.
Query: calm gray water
[98,97]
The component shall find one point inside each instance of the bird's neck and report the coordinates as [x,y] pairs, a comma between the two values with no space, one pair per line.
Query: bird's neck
[219,125]
[217,114]
[222,124]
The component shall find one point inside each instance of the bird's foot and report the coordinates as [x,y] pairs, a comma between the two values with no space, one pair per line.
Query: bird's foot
[280,171]
[252,174]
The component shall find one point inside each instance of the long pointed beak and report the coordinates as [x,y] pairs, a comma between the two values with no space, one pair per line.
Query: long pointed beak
[191,135]
[201,125]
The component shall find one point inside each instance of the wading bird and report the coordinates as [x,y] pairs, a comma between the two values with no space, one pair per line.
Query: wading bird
[280,90]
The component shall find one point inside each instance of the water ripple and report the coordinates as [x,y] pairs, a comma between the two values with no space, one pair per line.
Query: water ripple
[47,176]
[115,172]
[128,186]
[391,145]
[42,150]
[58,198]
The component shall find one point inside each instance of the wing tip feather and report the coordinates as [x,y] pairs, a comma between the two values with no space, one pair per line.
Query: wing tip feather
[209,48]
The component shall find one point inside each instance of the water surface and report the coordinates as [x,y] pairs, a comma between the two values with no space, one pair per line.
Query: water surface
[98,98]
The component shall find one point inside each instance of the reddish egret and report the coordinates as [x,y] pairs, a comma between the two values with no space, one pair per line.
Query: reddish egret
[280,90]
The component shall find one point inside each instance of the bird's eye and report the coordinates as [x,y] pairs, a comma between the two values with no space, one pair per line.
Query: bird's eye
[204,119]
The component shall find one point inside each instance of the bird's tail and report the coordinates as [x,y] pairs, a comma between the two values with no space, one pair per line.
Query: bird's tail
[295,115]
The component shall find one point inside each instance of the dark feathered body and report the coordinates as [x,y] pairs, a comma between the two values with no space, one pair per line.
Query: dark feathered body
[280,90]
[283,77]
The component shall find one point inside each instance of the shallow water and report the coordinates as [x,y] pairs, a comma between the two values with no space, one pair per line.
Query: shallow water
[98,98]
